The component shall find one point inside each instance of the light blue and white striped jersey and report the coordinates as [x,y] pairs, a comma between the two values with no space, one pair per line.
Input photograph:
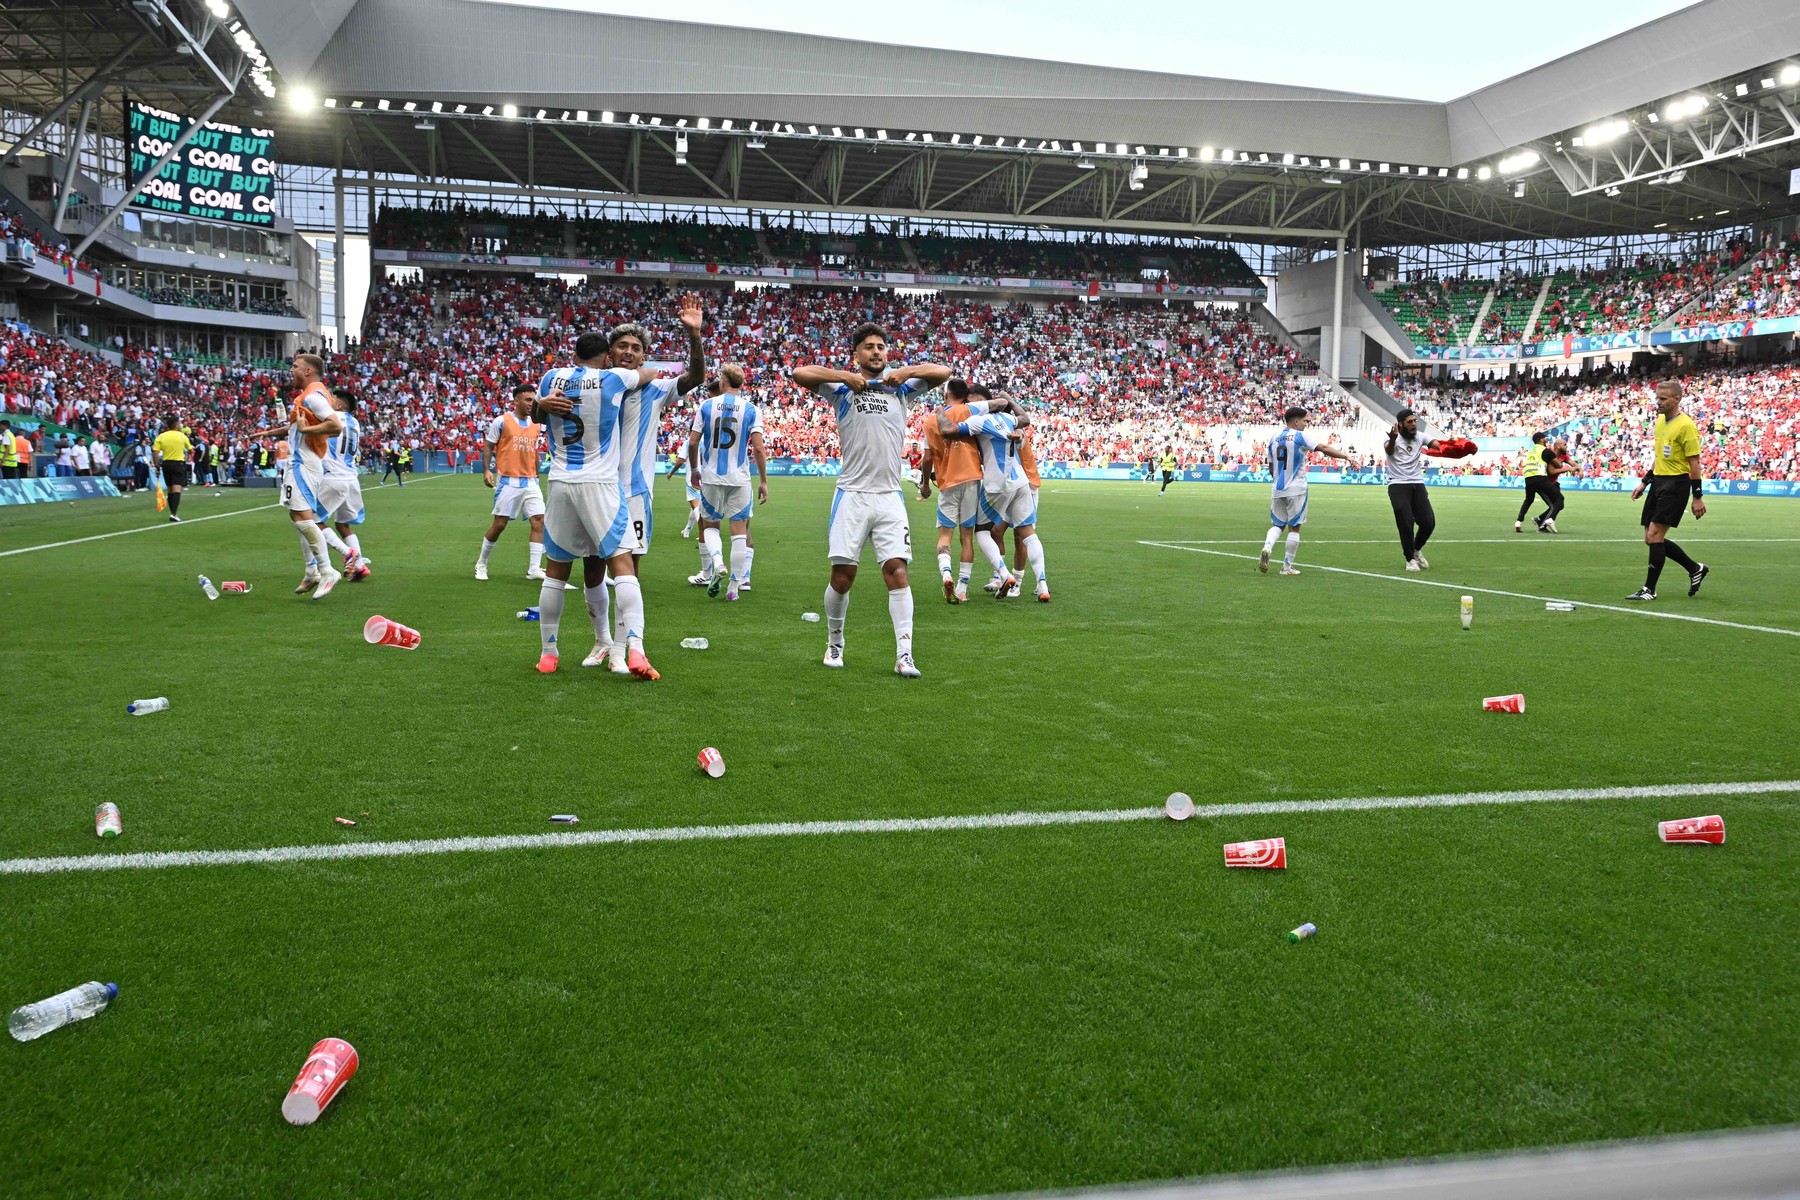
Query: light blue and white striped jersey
[344,447]
[584,445]
[994,433]
[1287,459]
[725,423]
[871,428]
[640,416]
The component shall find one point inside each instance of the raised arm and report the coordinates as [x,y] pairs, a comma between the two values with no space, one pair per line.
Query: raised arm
[1330,450]
[692,320]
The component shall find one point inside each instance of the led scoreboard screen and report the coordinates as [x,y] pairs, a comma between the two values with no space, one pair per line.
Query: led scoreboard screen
[224,173]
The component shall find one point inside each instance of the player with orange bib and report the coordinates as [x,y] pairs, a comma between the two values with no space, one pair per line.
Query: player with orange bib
[509,465]
[955,463]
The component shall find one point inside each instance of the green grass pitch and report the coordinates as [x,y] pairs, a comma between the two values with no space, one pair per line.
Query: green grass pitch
[905,1014]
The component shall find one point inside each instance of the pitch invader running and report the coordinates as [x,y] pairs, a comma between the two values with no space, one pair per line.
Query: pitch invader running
[509,465]
[1006,497]
[726,435]
[870,402]
[640,418]
[585,516]
[1287,498]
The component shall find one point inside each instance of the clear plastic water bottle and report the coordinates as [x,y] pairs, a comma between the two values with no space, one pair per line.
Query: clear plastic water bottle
[809,616]
[206,585]
[138,708]
[693,643]
[76,1004]
[107,823]
[529,614]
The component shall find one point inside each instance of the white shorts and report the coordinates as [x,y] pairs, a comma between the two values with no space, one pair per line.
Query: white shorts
[350,510]
[638,512]
[693,493]
[1013,507]
[861,517]
[1287,511]
[726,501]
[517,496]
[306,487]
[958,505]
[583,519]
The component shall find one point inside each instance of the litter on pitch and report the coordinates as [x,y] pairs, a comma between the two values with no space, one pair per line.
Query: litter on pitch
[107,823]
[1559,606]
[139,708]
[1303,932]
[327,1069]
[1179,806]
[343,820]
[1710,830]
[1265,853]
[379,631]
[809,616]
[712,762]
[1514,703]
[565,819]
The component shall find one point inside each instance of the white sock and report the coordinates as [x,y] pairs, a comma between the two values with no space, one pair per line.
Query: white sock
[984,541]
[738,546]
[550,610]
[306,554]
[599,606]
[690,521]
[715,554]
[1034,554]
[749,559]
[963,571]
[537,555]
[351,540]
[705,557]
[900,608]
[315,541]
[487,548]
[631,611]
[944,563]
[1269,538]
[333,540]
[836,605]
[1293,547]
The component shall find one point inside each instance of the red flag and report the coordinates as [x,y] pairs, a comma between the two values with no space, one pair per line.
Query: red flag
[96,285]
[712,268]
[619,266]
[1093,287]
[69,272]
[1568,345]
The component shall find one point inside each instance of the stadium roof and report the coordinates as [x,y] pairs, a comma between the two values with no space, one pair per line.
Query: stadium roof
[704,114]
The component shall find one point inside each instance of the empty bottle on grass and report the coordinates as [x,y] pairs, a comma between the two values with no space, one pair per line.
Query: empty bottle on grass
[76,1004]
[206,585]
[693,643]
[138,708]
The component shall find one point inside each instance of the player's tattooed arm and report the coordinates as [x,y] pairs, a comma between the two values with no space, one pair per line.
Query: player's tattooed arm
[692,319]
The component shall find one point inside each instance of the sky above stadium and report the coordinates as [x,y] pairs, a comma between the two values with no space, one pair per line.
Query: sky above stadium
[1417,50]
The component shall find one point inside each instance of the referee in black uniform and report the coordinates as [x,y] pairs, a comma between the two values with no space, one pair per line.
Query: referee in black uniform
[1406,450]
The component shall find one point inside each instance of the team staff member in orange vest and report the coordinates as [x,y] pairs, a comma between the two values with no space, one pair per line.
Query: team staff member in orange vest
[509,465]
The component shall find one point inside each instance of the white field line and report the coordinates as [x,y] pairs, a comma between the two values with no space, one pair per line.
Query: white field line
[1516,540]
[166,524]
[707,833]
[1463,587]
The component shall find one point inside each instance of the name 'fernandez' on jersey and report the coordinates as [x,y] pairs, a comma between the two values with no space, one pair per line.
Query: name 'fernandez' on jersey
[584,444]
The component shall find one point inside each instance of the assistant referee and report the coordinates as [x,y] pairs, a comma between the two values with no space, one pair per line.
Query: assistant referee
[172,448]
[1670,481]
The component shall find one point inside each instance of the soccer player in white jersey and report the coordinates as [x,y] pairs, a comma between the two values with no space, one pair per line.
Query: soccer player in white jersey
[726,436]
[870,401]
[1287,467]
[316,483]
[678,467]
[585,516]
[509,465]
[640,417]
[1006,497]
[349,513]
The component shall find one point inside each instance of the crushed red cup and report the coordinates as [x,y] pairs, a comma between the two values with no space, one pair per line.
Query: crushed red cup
[380,631]
[327,1069]
[1514,703]
[1710,830]
[1267,853]
[234,585]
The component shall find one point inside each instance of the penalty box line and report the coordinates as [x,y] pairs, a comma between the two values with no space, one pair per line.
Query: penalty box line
[1463,587]
[185,521]
[708,833]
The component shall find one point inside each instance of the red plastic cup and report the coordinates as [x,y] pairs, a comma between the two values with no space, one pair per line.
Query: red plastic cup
[234,585]
[1268,853]
[1695,829]
[328,1068]
[712,762]
[1514,703]
[379,631]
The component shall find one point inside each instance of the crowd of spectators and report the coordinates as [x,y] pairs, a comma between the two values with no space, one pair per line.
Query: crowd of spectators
[218,302]
[1748,414]
[486,232]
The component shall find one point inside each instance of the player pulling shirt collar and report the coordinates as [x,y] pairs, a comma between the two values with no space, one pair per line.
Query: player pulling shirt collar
[871,430]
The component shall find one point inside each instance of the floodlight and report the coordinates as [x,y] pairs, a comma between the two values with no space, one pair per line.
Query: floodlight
[509,111]
[1485,173]
[704,123]
[301,98]
[382,105]
[1790,75]
[1206,154]
[1084,164]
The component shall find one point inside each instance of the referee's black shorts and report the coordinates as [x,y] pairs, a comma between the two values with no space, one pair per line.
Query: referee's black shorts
[177,474]
[1666,500]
